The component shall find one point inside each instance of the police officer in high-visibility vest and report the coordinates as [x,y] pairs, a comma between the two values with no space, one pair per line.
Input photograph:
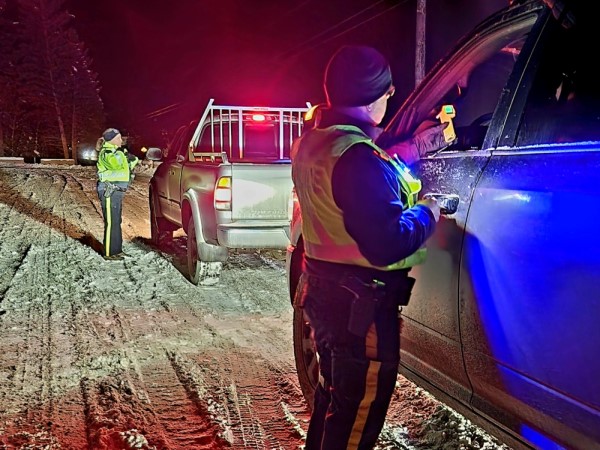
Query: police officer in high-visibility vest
[115,173]
[363,229]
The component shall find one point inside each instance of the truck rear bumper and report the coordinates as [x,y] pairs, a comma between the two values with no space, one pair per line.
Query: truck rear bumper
[273,238]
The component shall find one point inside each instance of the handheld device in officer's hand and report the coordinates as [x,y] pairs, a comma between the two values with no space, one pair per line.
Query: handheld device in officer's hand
[446,114]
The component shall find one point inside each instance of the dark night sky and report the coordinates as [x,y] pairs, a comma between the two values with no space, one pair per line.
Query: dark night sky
[158,65]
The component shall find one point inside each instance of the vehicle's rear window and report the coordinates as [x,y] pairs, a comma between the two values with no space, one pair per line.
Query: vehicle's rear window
[261,141]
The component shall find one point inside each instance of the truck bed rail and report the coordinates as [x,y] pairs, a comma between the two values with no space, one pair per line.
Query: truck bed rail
[246,132]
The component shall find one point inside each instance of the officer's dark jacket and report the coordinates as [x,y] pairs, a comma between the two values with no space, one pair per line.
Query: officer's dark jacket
[365,187]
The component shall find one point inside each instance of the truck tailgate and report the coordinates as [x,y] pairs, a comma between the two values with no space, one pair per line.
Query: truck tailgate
[261,191]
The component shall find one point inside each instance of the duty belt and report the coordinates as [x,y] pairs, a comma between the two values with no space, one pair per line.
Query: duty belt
[397,291]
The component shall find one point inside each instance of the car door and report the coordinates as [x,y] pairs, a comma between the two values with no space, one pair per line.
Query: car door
[472,79]
[160,179]
[530,268]
[171,177]
[181,149]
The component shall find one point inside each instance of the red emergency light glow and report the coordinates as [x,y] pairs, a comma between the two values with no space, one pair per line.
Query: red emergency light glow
[258,117]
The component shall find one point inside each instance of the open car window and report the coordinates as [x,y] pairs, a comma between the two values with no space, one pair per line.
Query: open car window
[472,81]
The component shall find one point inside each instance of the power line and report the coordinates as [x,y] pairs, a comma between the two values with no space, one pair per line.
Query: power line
[298,50]
[327,30]
[164,110]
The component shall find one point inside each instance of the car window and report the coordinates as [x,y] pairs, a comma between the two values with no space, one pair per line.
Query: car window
[563,104]
[213,139]
[180,141]
[478,92]
[186,137]
[473,81]
[173,147]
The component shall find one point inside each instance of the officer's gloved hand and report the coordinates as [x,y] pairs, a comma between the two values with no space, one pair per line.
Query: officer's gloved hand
[430,139]
[432,204]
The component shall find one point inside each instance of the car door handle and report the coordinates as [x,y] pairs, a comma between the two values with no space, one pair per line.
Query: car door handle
[448,203]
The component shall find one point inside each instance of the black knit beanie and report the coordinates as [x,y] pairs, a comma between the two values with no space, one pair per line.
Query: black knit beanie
[110,133]
[356,75]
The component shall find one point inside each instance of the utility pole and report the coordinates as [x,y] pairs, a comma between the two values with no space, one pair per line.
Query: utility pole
[420,41]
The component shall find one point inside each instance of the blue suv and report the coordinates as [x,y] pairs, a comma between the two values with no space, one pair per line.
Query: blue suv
[504,321]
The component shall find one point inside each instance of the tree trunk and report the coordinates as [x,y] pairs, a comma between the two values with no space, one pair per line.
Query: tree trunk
[61,128]
[74,134]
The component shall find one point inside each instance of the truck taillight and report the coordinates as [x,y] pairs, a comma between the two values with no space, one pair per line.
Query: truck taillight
[258,117]
[223,194]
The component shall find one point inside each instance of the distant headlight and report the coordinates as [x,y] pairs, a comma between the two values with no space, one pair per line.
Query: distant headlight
[87,155]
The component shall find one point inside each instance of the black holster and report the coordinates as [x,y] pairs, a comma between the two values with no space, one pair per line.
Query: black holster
[110,188]
[367,298]
[403,292]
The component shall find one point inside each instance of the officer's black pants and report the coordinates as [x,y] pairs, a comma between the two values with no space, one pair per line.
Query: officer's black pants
[358,373]
[111,210]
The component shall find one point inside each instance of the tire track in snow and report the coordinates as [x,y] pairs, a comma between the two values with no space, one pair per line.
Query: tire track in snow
[37,406]
[125,392]
[168,417]
[41,401]
[257,412]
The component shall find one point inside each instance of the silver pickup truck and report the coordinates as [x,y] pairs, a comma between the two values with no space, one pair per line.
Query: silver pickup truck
[226,180]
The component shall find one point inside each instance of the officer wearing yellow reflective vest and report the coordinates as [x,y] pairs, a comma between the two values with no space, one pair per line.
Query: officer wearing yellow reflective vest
[115,173]
[363,229]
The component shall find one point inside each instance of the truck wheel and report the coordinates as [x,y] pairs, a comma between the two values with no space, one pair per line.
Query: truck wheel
[160,229]
[305,354]
[200,272]
[307,364]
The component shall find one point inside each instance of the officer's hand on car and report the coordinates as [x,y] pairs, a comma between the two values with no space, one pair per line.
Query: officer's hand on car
[432,204]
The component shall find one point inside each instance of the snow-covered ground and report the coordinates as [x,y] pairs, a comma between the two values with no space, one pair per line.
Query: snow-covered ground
[99,354]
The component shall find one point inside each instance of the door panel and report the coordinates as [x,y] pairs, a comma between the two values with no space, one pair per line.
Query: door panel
[530,304]
[174,188]
[179,158]
[473,81]
[159,187]
[431,334]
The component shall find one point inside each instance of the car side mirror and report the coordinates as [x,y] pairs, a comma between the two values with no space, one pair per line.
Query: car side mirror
[154,154]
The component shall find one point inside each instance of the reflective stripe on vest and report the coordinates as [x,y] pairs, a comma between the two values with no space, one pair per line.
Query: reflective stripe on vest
[116,170]
[325,236]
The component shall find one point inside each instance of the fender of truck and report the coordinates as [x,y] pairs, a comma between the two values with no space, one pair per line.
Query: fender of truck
[208,252]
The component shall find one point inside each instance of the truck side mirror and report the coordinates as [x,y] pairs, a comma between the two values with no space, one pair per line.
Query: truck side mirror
[154,154]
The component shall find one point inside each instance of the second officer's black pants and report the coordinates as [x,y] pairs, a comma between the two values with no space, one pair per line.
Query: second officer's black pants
[112,207]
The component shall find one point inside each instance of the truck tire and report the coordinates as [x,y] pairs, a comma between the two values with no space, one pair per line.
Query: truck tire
[160,229]
[200,272]
[305,355]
